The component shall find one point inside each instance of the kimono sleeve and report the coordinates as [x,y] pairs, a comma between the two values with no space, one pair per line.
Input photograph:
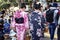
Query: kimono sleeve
[30,24]
[26,21]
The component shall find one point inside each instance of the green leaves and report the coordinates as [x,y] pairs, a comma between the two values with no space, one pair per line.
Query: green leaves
[5,5]
[12,0]
[15,4]
[5,0]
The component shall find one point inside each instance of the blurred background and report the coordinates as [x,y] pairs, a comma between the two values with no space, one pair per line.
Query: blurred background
[12,5]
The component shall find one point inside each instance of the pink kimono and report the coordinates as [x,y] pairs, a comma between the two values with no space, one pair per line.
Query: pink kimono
[20,28]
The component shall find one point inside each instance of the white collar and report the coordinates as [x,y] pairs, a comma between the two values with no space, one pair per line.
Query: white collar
[53,8]
[36,11]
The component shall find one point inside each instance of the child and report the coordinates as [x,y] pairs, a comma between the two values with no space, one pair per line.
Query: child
[6,29]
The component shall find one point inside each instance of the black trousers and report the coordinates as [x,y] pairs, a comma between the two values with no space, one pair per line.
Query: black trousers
[58,33]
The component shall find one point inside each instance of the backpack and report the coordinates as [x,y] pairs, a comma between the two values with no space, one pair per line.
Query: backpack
[58,17]
[49,16]
[19,19]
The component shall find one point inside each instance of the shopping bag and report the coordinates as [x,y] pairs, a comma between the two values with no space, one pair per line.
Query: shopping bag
[46,29]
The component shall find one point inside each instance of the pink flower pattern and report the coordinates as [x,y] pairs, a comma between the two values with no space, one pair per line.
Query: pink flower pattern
[20,28]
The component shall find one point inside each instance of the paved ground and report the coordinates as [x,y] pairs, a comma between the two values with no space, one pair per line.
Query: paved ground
[46,38]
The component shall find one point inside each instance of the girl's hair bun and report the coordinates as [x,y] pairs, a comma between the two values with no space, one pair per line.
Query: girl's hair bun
[37,6]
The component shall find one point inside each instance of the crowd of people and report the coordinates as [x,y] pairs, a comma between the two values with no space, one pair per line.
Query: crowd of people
[16,25]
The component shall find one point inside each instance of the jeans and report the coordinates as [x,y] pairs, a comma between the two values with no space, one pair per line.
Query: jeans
[52,28]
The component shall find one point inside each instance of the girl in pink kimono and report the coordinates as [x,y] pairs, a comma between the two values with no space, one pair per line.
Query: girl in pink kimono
[20,22]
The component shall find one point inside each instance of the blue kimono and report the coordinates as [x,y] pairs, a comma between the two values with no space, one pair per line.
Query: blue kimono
[35,23]
[6,27]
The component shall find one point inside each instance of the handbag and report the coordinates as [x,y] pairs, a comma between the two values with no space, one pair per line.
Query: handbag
[46,29]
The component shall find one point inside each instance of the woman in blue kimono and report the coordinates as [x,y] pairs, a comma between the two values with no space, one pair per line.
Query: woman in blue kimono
[35,23]
[6,27]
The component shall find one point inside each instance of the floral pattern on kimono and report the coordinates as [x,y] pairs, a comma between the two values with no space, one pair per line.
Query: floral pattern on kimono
[35,25]
[20,28]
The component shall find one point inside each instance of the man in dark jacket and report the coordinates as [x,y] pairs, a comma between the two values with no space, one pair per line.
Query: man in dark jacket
[58,30]
[53,24]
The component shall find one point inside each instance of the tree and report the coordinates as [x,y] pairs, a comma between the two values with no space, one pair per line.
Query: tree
[5,5]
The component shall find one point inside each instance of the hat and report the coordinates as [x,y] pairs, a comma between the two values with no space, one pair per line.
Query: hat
[55,5]
[16,8]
